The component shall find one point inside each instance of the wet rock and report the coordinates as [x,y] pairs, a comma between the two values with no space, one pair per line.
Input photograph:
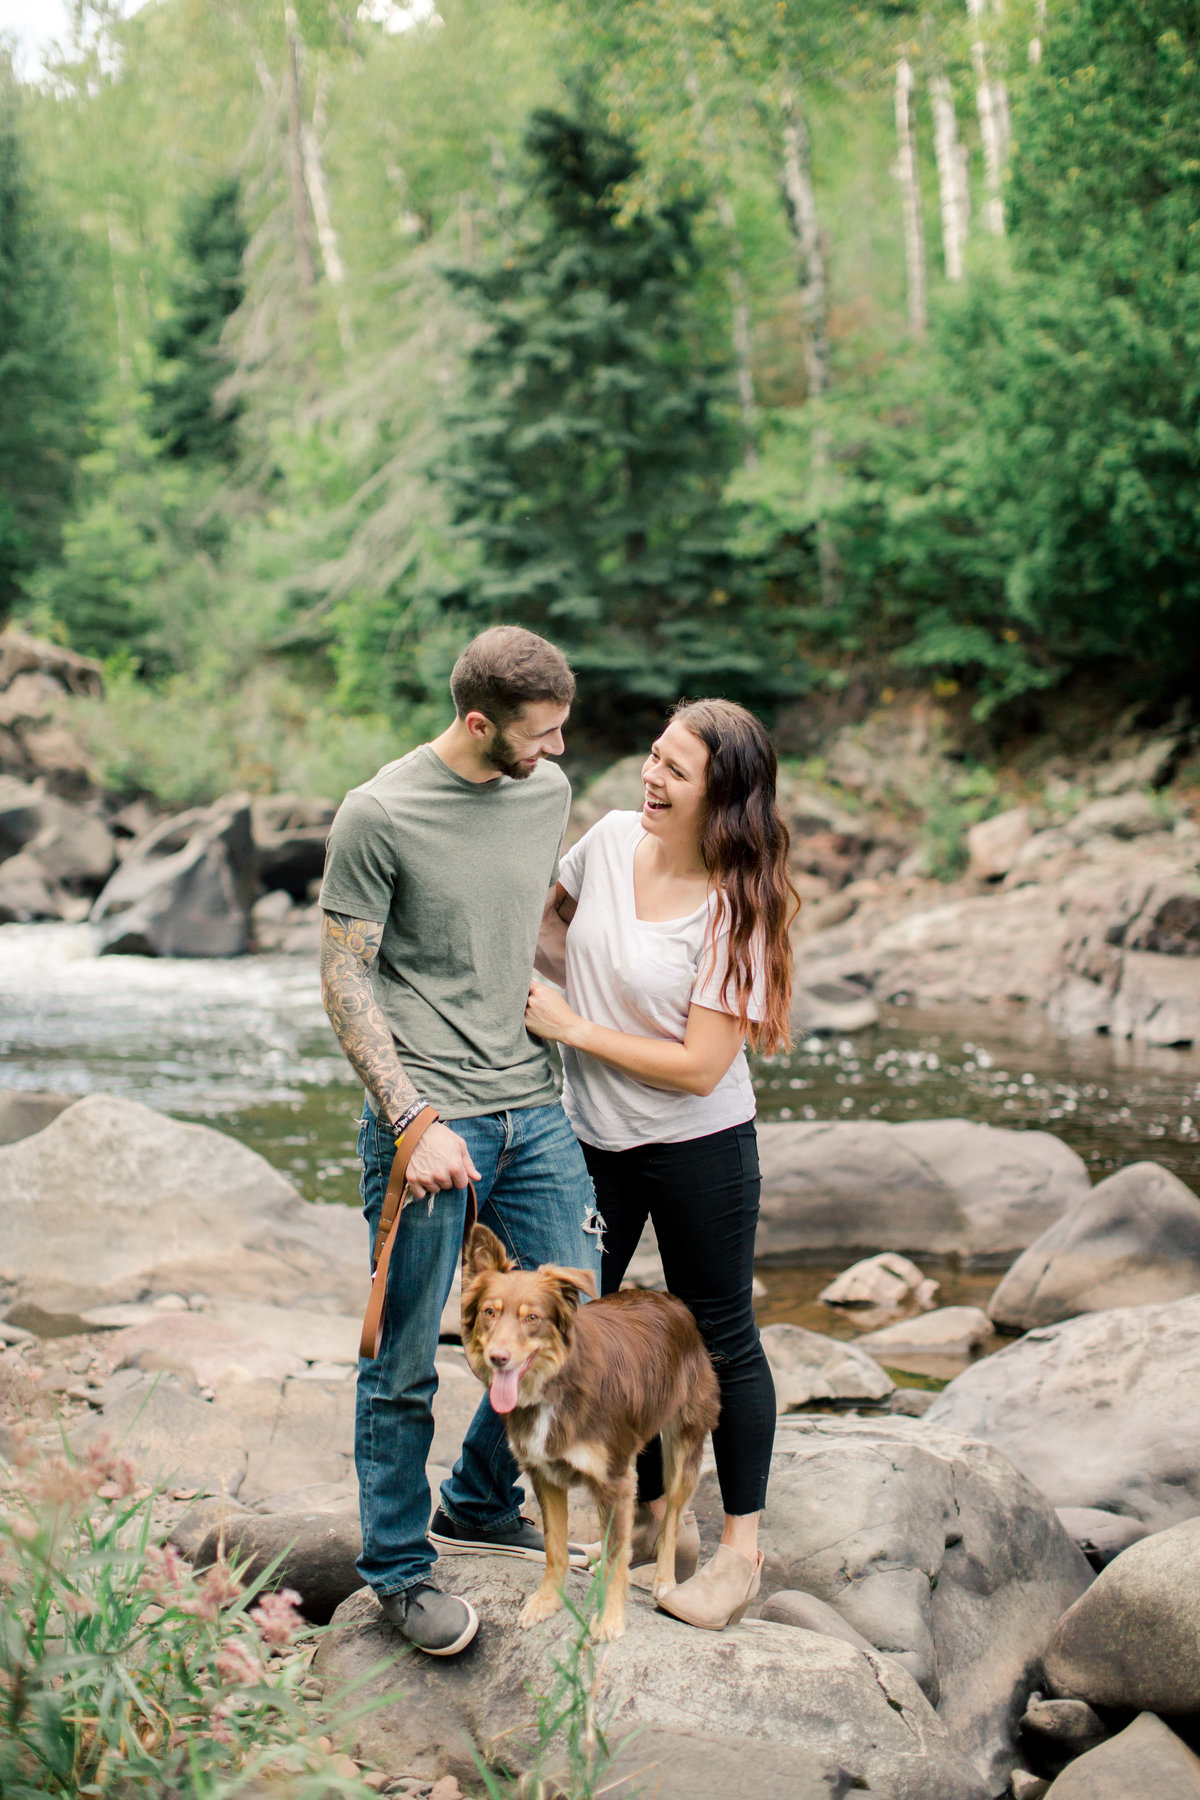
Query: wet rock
[1145,1759]
[942,1187]
[994,843]
[1133,1640]
[170,1437]
[768,1682]
[314,1553]
[886,1280]
[1100,1535]
[1101,1411]
[935,1549]
[113,1200]
[807,1366]
[185,889]
[24,1112]
[1133,1240]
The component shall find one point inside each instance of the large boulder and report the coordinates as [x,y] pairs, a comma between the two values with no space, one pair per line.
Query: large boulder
[1101,1411]
[1133,1640]
[1133,1240]
[185,889]
[112,1201]
[313,1553]
[1146,1761]
[768,1682]
[289,837]
[933,1547]
[807,1366]
[942,1187]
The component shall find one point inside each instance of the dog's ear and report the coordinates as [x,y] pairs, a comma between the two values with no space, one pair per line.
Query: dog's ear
[571,1282]
[485,1254]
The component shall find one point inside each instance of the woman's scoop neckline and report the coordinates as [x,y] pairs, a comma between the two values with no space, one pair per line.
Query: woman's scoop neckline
[682,918]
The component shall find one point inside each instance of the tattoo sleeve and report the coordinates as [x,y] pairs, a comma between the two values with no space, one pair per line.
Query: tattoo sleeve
[348,948]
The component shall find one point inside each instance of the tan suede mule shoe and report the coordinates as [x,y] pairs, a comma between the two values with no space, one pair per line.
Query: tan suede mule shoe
[718,1594]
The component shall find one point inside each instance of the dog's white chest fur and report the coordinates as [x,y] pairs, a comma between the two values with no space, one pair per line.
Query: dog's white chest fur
[536,1436]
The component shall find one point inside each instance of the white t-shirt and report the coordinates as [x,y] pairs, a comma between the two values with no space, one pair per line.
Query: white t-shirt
[640,977]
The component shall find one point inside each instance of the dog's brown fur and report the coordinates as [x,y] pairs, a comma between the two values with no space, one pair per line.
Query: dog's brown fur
[599,1382]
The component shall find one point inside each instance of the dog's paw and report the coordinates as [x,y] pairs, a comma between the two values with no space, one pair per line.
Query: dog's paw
[538,1607]
[607,1631]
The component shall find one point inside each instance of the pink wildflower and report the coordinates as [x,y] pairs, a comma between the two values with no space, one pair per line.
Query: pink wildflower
[237,1666]
[219,1588]
[277,1617]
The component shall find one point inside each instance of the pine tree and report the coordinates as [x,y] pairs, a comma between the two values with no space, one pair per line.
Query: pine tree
[184,414]
[589,454]
[45,378]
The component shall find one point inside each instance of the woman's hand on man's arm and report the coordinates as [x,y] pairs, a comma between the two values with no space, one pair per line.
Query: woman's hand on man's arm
[696,1066]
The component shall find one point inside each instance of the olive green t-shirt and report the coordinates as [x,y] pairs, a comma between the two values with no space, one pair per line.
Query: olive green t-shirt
[456,872]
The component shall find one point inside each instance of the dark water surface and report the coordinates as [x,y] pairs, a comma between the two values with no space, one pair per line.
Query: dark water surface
[245,1045]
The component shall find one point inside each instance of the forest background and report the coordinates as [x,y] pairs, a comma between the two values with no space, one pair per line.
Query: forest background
[765,347]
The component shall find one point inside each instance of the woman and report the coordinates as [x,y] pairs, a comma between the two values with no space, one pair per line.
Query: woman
[677,953]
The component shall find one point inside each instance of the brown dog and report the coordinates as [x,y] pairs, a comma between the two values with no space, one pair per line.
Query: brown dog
[582,1390]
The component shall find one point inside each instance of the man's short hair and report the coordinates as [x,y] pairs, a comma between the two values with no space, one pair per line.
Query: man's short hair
[506,669]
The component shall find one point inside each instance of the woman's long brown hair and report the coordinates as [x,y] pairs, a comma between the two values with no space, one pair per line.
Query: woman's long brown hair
[744,842]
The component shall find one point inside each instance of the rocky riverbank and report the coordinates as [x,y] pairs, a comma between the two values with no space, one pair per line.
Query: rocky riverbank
[1078,896]
[931,1622]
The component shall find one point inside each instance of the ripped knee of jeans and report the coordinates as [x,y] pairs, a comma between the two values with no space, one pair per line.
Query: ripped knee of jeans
[594,1226]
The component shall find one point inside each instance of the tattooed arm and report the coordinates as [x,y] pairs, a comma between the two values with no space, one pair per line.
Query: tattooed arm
[348,949]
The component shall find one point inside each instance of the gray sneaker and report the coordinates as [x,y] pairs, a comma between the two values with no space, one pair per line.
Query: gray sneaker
[440,1624]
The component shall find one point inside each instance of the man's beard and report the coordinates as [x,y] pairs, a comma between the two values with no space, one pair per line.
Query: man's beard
[501,754]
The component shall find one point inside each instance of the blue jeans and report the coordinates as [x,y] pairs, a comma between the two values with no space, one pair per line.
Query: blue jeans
[535,1193]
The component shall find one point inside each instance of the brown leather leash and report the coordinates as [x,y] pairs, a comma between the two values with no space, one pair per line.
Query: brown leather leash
[394,1202]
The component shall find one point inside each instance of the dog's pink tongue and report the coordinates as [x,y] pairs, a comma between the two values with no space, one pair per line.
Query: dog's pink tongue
[504,1389]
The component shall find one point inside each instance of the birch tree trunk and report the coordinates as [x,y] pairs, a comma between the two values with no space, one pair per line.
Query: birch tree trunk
[300,233]
[910,193]
[741,330]
[801,206]
[318,193]
[953,191]
[991,101]
[1035,42]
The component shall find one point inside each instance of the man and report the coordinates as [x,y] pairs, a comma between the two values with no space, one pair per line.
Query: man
[435,882]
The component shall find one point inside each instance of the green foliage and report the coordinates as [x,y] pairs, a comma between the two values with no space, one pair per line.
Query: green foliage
[45,378]
[122,1674]
[185,415]
[587,463]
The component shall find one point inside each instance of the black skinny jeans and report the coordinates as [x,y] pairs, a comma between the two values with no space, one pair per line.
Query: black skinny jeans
[703,1199]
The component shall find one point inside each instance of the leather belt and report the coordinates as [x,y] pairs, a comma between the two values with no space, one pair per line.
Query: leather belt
[394,1201]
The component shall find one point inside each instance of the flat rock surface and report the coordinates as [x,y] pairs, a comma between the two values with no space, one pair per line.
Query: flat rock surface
[698,1765]
[773,1683]
[948,1329]
[931,1546]
[1133,1640]
[941,1187]
[1134,1240]
[1101,1411]
[207,1346]
[1146,1761]
[171,1437]
[113,1200]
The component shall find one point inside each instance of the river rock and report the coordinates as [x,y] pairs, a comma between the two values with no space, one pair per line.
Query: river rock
[1100,1535]
[1101,1411]
[27,893]
[1133,1240]
[205,1346]
[22,654]
[994,843]
[170,1437]
[933,1547]
[300,1435]
[185,889]
[807,1366]
[790,1607]
[766,1682]
[1119,816]
[1146,1761]
[949,1331]
[294,1332]
[939,1187]
[1157,1000]
[314,1553]
[112,1201]
[833,1007]
[1133,1640]
[883,1281]
[1071,1723]
[24,1112]
[698,1765]
[289,838]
